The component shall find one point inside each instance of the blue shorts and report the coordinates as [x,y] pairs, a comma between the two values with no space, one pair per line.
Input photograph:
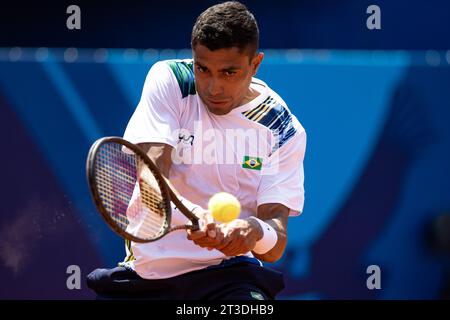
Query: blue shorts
[239,278]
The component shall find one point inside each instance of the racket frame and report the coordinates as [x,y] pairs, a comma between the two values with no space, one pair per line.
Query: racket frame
[168,195]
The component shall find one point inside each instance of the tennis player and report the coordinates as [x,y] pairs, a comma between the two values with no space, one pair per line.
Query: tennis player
[211,126]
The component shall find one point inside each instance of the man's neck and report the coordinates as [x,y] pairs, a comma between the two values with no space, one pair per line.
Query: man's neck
[251,94]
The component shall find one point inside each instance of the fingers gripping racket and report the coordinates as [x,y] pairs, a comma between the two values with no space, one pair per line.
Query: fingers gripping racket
[130,192]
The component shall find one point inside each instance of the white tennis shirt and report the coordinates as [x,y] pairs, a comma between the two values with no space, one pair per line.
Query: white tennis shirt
[254,152]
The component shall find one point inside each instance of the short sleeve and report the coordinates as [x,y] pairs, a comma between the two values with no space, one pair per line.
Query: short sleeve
[283,177]
[156,118]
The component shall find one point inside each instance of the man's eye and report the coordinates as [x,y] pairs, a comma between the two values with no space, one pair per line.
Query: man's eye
[229,73]
[200,69]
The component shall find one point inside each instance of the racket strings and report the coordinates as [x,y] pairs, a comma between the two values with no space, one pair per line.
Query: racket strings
[114,176]
[150,192]
[151,197]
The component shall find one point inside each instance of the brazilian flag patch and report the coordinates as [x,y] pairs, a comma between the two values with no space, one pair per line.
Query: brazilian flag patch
[252,163]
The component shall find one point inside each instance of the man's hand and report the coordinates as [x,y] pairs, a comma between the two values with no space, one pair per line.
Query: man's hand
[239,236]
[206,236]
[234,238]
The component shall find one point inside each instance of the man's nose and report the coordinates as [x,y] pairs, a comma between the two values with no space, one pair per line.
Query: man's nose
[214,87]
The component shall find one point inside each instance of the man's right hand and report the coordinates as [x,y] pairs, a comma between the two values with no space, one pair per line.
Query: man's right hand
[209,234]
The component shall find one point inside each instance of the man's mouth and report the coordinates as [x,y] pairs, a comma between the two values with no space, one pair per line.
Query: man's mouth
[217,102]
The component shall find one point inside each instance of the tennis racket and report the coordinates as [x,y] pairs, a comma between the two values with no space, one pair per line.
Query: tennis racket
[130,193]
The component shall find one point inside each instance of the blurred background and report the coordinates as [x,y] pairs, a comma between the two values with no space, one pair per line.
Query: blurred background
[375,105]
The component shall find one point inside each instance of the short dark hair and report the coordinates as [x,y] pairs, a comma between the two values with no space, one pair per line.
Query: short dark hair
[226,25]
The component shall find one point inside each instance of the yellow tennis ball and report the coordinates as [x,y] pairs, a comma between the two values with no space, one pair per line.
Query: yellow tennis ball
[224,207]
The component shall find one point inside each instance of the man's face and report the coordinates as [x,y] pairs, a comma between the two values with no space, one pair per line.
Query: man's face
[223,76]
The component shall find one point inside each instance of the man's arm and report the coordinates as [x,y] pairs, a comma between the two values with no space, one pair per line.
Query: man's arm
[160,154]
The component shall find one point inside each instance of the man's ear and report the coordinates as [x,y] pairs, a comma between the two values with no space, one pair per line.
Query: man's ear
[256,62]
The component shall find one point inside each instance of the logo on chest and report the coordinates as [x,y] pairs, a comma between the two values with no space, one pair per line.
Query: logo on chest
[186,138]
[253,163]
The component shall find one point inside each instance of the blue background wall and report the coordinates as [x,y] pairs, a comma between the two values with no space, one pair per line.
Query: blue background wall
[377,163]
